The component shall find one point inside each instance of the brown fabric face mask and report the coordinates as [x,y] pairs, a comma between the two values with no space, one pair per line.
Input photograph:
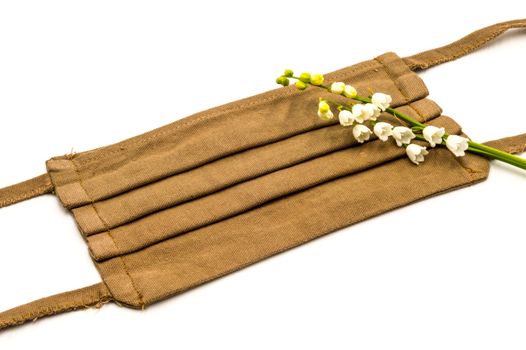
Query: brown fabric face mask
[220,190]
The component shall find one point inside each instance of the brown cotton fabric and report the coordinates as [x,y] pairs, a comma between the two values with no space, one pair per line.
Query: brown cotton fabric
[225,188]
[92,296]
[212,193]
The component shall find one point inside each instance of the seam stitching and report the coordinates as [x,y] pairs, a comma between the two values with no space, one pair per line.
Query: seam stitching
[245,209]
[409,103]
[274,252]
[465,50]
[279,93]
[26,195]
[102,298]
[42,189]
[417,61]
[167,236]
[121,258]
[468,171]
[47,311]
[229,185]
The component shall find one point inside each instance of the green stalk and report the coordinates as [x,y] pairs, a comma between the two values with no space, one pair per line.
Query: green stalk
[491,156]
[474,147]
[393,112]
[486,151]
[490,152]
[497,154]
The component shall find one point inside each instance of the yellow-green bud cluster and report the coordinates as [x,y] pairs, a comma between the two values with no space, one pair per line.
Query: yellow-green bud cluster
[301,85]
[305,77]
[283,81]
[316,79]
[323,106]
[303,81]
[324,110]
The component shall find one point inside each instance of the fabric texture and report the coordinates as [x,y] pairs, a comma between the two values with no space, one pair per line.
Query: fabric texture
[25,190]
[222,189]
[92,296]
[215,192]
[462,47]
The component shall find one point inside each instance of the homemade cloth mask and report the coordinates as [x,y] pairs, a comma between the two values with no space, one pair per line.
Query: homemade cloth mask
[212,193]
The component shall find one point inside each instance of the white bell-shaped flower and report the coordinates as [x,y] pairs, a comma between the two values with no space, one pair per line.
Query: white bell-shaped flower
[403,135]
[416,153]
[337,87]
[383,130]
[457,145]
[350,91]
[361,133]
[433,135]
[381,100]
[346,117]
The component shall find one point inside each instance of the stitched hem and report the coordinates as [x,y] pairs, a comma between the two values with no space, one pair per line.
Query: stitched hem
[424,62]
[217,111]
[409,85]
[92,296]
[294,244]
[121,258]
[49,311]
[25,190]
[103,249]
[471,174]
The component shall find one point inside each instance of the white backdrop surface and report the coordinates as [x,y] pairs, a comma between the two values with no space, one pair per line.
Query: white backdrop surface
[447,272]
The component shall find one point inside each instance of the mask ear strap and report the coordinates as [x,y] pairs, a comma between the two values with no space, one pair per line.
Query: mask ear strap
[513,144]
[461,47]
[25,190]
[92,296]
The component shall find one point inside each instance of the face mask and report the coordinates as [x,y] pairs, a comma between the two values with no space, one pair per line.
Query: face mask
[215,192]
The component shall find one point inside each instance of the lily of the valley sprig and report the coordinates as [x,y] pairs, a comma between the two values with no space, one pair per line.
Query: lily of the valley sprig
[362,114]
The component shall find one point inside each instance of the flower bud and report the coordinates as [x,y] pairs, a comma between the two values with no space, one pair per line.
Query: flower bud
[326,116]
[337,88]
[282,81]
[301,85]
[349,91]
[305,77]
[316,79]
[323,106]
[288,73]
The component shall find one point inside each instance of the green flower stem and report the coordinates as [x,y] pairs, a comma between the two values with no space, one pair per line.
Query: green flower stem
[474,147]
[338,106]
[488,152]
[389,110]
[394,112]
[497,154]
[491,156]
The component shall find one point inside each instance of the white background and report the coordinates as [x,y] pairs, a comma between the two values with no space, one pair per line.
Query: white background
[448,272]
